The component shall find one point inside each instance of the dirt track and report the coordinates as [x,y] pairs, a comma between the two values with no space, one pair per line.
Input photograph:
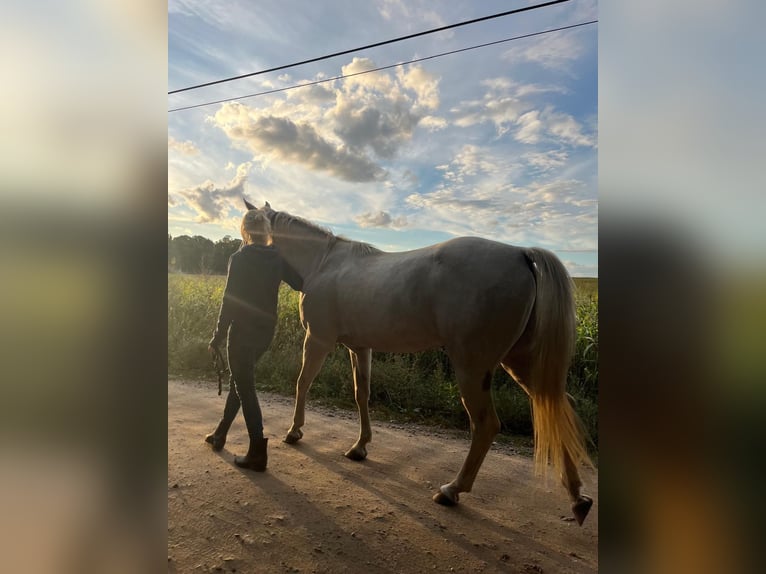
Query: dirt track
[314,511]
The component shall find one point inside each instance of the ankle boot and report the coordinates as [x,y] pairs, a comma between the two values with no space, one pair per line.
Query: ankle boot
[217,441]
[256,456]
[217,438]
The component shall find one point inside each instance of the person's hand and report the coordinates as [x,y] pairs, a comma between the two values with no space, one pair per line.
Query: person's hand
[212,346]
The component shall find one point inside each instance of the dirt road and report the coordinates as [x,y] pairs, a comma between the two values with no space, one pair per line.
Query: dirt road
[315,511]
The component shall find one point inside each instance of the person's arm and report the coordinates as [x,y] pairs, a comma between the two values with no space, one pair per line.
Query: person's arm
[225,315]
[291,277]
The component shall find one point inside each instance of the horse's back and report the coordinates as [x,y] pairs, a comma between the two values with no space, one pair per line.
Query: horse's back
[428,297]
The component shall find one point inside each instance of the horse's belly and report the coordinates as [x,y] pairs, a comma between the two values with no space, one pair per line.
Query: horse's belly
[392,340]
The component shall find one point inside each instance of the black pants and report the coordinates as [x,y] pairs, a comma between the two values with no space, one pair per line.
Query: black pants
[244,349]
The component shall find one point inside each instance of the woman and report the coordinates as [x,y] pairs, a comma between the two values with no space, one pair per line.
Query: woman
[249,314]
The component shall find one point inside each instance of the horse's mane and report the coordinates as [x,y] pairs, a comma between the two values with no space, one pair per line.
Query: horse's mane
[287,221]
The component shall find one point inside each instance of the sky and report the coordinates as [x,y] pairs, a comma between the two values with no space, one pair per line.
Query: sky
[497,142]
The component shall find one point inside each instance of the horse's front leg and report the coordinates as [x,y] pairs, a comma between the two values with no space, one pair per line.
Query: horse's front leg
[314,354]
[361,363]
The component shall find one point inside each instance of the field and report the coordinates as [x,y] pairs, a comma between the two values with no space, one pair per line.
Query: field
[405,387]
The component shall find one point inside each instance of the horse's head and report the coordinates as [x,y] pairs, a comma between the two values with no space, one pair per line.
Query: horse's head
[265,209]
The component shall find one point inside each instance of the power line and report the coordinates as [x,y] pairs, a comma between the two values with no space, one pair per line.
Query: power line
[341,77]
[483,18]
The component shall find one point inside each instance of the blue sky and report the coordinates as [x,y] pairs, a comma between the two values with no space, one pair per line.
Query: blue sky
[498,142]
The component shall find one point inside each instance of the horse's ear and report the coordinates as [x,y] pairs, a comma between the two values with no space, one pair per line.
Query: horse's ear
[267,205]
[248,204]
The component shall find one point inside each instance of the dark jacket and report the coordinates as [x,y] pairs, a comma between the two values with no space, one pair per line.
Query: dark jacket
[252,286]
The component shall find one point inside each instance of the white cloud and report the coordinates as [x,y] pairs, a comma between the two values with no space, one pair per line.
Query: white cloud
[343,131]
[503,104]
[380,219]
[552,51]
[412,14]
[514,107]
[530,128]
[556,191]
[313,95]
[186,148]
[212,202]
[580,269]
[485,193]
[567,129]
[380,81]
[433,123]
[501,111]
[545,161]
[425,85]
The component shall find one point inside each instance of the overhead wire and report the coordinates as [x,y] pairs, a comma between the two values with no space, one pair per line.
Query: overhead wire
[375,45]
[381,68]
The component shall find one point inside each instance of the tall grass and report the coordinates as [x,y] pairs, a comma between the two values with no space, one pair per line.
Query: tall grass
[418,387]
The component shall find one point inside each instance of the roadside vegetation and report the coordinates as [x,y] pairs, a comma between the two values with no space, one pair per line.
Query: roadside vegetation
[416,387]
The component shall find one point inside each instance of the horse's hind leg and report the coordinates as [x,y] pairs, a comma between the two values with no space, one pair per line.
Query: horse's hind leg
[570,476]
[314,354]
[361,362]
[581,503]
[475,390]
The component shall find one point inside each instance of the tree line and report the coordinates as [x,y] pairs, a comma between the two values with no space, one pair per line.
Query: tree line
[199,254]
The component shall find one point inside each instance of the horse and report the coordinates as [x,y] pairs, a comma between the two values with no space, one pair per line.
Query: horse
[485,303]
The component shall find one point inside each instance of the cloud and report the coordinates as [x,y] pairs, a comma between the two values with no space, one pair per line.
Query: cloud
[281,138]
[555,52]
[316,94]
[381,129]
[552,126]
[380,219]
[380,111]
[343,131]
[501,111]
[512,107]
[556,191]
[211,202]
[567,129]
[487,194]
[425,85]
[469,162]
[186,148]
[530,128]
[545,161]
[581,269]
[433,123]
[504,102]
[413,15]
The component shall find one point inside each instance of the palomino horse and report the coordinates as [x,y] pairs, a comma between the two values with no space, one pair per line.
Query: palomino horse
[486,303]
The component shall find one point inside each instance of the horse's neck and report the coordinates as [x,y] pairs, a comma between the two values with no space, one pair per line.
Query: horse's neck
[304,254]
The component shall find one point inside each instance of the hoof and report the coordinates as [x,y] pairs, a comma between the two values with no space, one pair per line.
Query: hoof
[445,498]
[294,436]
[356,453]
[581,508]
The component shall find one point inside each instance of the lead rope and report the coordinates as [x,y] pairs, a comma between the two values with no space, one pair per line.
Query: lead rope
[220,368]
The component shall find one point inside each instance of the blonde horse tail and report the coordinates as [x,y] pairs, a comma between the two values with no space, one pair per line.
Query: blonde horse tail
[558,431]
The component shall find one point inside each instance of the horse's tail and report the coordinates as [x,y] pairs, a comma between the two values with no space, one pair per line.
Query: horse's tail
[557,428]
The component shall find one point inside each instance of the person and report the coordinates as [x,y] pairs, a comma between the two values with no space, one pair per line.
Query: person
[249,314]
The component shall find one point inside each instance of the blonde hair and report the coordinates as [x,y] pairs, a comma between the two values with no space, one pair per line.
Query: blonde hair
[256,228]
